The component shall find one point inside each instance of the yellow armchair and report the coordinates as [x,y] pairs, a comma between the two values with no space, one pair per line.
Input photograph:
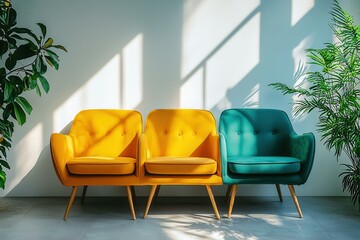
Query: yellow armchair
[101,149]
[180,147]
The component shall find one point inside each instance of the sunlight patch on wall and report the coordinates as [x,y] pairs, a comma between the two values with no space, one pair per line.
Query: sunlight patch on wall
[101,91]
[300,59]
[132,73]
[26,153]
[299,8]
[206,24]
[252,100]
[233,62]
[192,91]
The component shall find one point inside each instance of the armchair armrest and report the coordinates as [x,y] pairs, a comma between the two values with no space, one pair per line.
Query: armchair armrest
[303,148]
[144,154]
[223,155]
[62,150]
[215,151]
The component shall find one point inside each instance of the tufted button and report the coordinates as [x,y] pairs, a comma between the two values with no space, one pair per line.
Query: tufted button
[256,132]
[92,134]
[180,133]
[107,134]
[194,133]
[274,132]
[238,133]
[123,133]
[164,132]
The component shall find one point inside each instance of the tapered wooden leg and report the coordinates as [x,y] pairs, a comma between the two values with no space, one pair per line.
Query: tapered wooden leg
[293,195]
[156,193]
[133,193]
[232,199]
[278,189]
[151,196]
[83,194]
[212,199]
[129,193]
[72,197]
[228,192]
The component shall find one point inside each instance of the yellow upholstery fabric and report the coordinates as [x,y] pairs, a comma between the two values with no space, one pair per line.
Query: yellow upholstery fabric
[180,165]
[95,135]
[180,146]
[109,133]
[101,165]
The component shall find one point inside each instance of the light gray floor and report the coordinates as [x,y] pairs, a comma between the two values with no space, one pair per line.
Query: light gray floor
[179,218]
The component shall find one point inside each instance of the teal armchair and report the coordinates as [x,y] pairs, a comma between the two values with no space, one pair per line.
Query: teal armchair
[260,146]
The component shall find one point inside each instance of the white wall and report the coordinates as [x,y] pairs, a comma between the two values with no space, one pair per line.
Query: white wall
[148,54]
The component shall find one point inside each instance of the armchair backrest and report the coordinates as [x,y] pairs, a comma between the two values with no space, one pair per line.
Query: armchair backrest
[256,132]
[180,132]
[107,133]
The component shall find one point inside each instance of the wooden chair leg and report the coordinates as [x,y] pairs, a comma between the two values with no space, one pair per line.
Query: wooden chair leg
[129,193]
[212,199]
[278,189]
[228,192]
[83,194]
[156,193]
[293,195]
[72,197]
[151,196]
[232,199]
[133,193]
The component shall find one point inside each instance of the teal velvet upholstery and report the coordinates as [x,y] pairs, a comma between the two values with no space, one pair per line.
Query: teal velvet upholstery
[260,146]
[264,165]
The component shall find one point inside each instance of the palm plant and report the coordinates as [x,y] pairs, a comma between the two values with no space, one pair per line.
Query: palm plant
[333,90]
[25,58]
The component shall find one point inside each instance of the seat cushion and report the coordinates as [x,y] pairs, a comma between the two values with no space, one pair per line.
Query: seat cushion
[264,165]
[181,166]
[101,165]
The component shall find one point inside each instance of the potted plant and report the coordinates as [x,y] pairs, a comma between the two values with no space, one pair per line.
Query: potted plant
[25,58]
[333,90]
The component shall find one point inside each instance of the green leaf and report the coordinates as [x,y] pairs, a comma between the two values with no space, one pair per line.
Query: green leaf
[10,62]
[38,91]
[12,43]
[52,54]
[24,104]
[19,114]
[26,31]
[52,62]
[59,47]
[24,51]
[2,179]
[43,67]
[7,111]
[12,17]
[4,46]
[38,64]
[3,151]
[16,81]
[5,164]
[33,80]
[43,29]
[8,90]
[17,36]
[44,83]
[48,42]
[2,73]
